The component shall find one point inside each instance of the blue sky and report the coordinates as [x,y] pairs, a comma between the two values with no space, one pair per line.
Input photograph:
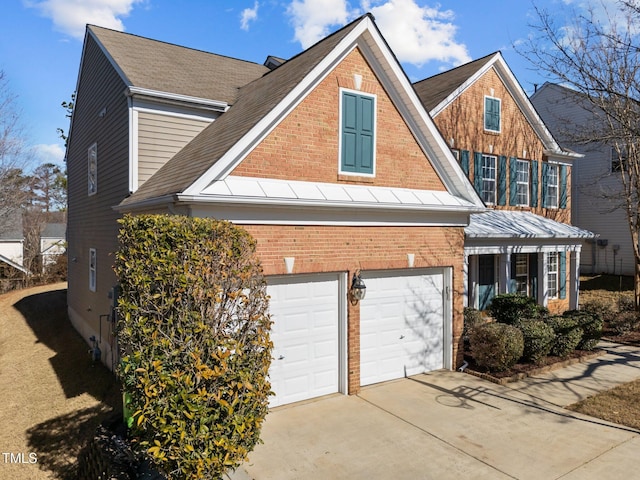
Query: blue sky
[41,40]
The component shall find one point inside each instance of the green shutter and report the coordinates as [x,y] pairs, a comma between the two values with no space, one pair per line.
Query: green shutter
[513,181]
[464,161]
[563,186]
[357,133]
[512,281]
[562,260]
[477,172]
[545,182]
[492,114]
[502,180]
[533,198]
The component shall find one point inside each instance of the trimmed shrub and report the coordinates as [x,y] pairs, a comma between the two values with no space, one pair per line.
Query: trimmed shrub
[472,318]
[591,324]
[568,335]
[602,308]
[538,339]
[509,308]
[496,346]
[194,342]
[624,322]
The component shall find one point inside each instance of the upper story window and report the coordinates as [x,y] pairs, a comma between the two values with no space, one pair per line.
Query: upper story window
[618,158]
[488,172]
[492,114]
[551,184]
[92,155]
[522,183]
[357,132]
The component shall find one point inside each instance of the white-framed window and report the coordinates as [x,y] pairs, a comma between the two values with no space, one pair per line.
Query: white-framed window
[488,167]
[522,273]
[551,193]
[357,133]
[492,119]
[92,161]
[456,154]
[552,274]
[93,260]
[522,183]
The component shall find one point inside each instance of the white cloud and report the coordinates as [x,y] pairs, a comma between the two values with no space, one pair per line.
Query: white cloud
[52,153]
[415,33]
[248,15]
[418,35]
[71,16]
[312,19]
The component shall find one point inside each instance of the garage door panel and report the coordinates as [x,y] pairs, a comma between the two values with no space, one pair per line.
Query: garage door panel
[402,329]
[305,335]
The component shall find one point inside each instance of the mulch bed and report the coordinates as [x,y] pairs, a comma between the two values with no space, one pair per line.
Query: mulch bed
[524,370]
[629,338]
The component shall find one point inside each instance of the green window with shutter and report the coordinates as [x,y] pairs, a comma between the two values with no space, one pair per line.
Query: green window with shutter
[492,114]
[533,199]
[357,135]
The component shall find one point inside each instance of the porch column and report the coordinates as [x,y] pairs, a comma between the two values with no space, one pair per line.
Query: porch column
[504,273]
[473,281]
[465,281]
[542,279]
[574,290]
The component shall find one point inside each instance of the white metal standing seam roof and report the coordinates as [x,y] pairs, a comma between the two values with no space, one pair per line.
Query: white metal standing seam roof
[263,190]
[510,224]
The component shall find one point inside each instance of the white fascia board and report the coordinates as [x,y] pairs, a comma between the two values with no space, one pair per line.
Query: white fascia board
[250,214]
[207,103]
[13,264]
[511,248]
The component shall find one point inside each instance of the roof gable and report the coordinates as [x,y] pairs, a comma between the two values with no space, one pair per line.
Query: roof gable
[439,92]
[263,103]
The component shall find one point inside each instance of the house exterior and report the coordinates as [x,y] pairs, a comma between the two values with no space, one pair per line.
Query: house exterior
[12,247]
[52,242]
[328,159]
[595,177]
[525,243]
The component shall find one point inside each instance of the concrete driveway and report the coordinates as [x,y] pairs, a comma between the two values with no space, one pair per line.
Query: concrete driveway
[447,424]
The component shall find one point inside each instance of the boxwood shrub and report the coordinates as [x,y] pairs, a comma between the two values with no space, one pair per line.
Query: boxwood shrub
[568,335]
[194,342]
[496,346]
[538,339]
[591,324]
[509,308]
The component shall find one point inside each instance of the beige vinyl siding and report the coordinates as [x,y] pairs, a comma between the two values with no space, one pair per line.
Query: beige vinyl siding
[92,221]
[160,137]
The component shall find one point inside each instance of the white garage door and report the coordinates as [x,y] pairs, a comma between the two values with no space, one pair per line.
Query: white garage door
[305,334]
[401,325]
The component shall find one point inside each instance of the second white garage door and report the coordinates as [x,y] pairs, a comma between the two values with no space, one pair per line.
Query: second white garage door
[402,326]
[305,310]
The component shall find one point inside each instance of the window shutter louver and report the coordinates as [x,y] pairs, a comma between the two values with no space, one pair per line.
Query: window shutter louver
[477,172]
[357,133]
[533,198]
[545,181]
[464,161]
[562,260]
[502,180]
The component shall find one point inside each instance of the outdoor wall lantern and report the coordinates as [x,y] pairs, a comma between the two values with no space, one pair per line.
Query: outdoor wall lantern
[358,289]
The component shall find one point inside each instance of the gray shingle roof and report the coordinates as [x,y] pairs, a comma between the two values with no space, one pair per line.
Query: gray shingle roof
[433,90]
[54,230]
[254,101]
[12,226]
[165,67]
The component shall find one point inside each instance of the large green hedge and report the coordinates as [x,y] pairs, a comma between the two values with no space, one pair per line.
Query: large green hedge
[194,342]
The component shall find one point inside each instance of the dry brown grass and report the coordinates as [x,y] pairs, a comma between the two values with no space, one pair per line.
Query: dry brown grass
[618,405]
[51,394]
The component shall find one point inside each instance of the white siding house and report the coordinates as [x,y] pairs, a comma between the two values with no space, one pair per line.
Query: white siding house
[562,111]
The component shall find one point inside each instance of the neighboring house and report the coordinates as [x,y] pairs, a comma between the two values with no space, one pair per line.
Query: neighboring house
[328,159]
[525,243]
[52,242]
[595,176]
[12,247]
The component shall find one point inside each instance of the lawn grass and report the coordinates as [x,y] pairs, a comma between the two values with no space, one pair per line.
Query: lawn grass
[618,405]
